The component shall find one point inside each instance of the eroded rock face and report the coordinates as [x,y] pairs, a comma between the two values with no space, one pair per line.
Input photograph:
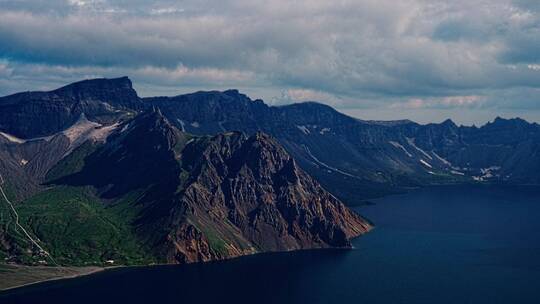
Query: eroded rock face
[246,194]
[190,245]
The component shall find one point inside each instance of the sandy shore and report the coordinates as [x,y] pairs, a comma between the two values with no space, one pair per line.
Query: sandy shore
[16,276]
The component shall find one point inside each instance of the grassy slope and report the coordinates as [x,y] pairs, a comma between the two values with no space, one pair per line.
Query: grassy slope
[13,242]
[72,223]
[78,229]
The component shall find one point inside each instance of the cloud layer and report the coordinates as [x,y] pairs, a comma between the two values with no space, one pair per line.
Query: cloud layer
[354,55]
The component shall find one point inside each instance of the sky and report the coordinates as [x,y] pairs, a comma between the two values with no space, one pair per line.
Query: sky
[468,60]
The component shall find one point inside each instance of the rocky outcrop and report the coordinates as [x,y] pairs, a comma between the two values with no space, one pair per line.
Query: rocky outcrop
[248,195]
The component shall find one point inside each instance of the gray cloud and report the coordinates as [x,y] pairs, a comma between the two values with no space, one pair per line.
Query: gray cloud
[352,54]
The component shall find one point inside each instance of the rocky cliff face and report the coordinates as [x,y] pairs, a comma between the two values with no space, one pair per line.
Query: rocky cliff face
[215,197]
[505,150]
[246,194]
[212,112]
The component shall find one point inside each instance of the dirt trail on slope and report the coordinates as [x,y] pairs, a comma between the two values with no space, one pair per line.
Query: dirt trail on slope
[17,224]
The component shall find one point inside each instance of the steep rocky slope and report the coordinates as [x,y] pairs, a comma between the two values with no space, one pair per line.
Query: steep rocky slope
[208,198]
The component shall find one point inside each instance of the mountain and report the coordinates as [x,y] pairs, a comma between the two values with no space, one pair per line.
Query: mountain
[36,114]
[358,159]
[504,151]
[179,198]
[352,158]
[97,173]
[327,144]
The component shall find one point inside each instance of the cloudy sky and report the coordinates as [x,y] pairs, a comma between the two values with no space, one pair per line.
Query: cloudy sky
[469,60]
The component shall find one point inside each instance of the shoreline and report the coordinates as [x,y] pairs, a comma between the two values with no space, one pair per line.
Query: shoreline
[99,269]
[96,269]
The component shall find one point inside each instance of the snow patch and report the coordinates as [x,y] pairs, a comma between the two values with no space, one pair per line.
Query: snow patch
[304,129]
[489,169]
[456,172]
[487,173]
[12,138]
[330,168]
[23,162]
[411,142]
[444,161]
[182,125]
[324,130]
[195,124]
[399,146]
[124,129]
[425,163]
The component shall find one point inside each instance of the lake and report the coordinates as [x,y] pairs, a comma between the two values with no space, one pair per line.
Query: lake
[453,244]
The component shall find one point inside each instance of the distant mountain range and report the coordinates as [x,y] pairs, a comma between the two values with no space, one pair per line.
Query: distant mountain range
[211,175]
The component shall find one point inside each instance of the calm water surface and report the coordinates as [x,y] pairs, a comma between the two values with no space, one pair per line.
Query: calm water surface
[462,244]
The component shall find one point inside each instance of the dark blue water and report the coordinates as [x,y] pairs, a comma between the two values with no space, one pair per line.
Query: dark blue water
[466,244]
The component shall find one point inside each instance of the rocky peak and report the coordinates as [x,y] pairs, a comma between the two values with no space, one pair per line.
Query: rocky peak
[246,194]
[140,152]
[151,127]
[232,93]
[449,123]
[513,122]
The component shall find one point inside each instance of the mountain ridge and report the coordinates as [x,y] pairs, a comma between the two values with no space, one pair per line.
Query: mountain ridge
[372,157]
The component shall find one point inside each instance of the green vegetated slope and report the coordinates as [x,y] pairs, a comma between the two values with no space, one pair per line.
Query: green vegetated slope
[13,242]
[76,228]
[72,223]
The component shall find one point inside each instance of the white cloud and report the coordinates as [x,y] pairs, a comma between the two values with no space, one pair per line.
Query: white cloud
[348,53]
[443,102]
[166,10]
